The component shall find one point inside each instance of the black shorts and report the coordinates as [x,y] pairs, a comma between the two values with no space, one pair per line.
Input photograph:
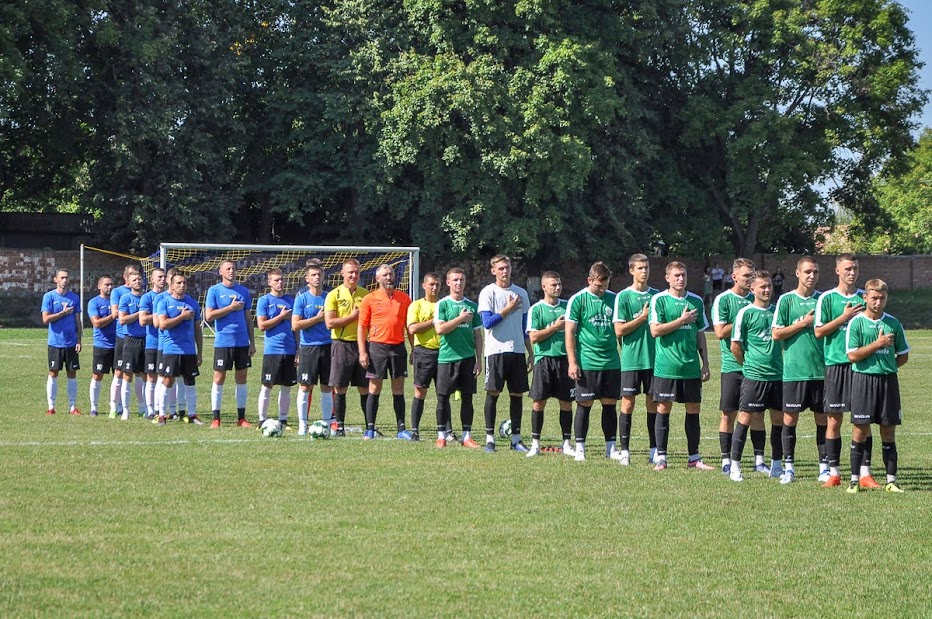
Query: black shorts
[875,398]
[118,353]
[424,361]
[314,365]
[232,357]
[103,360]
[134,354]
[760,395]
[279,370]
[152,356]
[63,359]
[184,366]
[551,379]
[837,389]
[730,400]
[506,368]
[387,359]
[344,365]
[457,376]
[798,395]
[597,384]
[681,390]
[636,382]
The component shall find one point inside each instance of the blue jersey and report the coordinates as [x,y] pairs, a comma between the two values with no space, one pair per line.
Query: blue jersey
[147,305]
[279,340]
[129,304]
[115,296]
[63,333]
[155,309]
[100,308]
[231,330]
[308,305]
[179,340]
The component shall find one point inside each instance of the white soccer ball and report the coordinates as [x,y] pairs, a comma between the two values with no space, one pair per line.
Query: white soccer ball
[504,429]
[271,428]
[319,429]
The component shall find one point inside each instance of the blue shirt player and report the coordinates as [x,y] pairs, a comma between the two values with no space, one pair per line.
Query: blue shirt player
[229,307]
[314,346]
[279,360]
[104,323]
[61,312]
[179,318]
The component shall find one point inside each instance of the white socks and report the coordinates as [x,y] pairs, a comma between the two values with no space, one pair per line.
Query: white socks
[265,394]
[242,394]
[303,399]
[284,402]
[216,396]
[326,405]
[72,392]
[96,386]
[150,399]
[51,391]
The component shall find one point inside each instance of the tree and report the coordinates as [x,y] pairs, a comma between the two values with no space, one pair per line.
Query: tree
[774,96]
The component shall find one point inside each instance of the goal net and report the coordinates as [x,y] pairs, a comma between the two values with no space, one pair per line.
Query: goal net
[199,262]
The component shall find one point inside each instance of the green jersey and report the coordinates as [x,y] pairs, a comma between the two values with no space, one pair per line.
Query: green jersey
[596,345]
[637,348]
[725,309]
[803,357]
[830,306]
[863,330]
[763,357]
[543,315]
[677,353]
[460,343]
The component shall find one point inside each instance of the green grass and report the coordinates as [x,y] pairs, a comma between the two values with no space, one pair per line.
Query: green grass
[105,518]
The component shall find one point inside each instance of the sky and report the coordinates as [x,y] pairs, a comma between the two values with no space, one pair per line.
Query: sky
[920,22]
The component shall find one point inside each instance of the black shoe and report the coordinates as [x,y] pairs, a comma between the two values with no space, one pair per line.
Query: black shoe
[415,436]
[339,433]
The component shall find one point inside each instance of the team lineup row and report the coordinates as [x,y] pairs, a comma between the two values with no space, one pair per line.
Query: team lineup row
[832,353]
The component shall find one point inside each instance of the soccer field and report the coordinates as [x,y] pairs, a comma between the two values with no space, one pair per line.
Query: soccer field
[103,518]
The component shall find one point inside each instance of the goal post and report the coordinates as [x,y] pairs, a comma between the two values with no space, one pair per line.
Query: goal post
[199,263]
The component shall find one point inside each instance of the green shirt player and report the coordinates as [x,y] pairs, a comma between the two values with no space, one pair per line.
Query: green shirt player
[725,309]
[876,347]
[459,362]
[803,363]
[833,311]
[632,307]
[550,379]
[592,351]
[681,362]
[761,360]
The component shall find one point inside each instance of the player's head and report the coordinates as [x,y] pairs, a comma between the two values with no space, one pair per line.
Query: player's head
[61,279]
[127,270]
[456,281]
[350,272]
[501,269]
[430,284]
[276,279]
[761,284]
[639,268]
[675,275]
[135,281]
[177,284]
[875,295]
[227,272]
[314,273]
[741,272]
[551,284]
[157,278]
[105,285]
[846,267]
[599,278]
[807,272]
[385,276]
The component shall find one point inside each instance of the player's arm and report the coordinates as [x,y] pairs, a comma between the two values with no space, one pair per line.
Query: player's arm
[628,327]
[333,321]
[447,326]
[659,329]
[722,330]
[420,327]
[859,353]
[212,314]
[847,314]
[50,317]
[480,343]
[265,323]
[703,354]
[573,360]
[786,332]
[199,341]
[536,336]
[78,331]
[99,322]
[737,351]
[126,318]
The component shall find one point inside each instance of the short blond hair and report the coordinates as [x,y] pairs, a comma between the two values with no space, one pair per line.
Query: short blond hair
[876,284]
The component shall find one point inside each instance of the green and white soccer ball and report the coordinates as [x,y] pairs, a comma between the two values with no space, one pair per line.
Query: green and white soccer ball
[504,429]
[271,428]
[319,429]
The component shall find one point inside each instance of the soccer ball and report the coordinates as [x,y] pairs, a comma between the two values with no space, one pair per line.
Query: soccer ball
[319,429]
[504,430]
[271,428]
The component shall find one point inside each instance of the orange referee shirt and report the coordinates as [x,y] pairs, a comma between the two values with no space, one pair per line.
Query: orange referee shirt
[385,316]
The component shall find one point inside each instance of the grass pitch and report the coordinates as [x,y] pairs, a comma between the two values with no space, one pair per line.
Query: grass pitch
[106,518]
